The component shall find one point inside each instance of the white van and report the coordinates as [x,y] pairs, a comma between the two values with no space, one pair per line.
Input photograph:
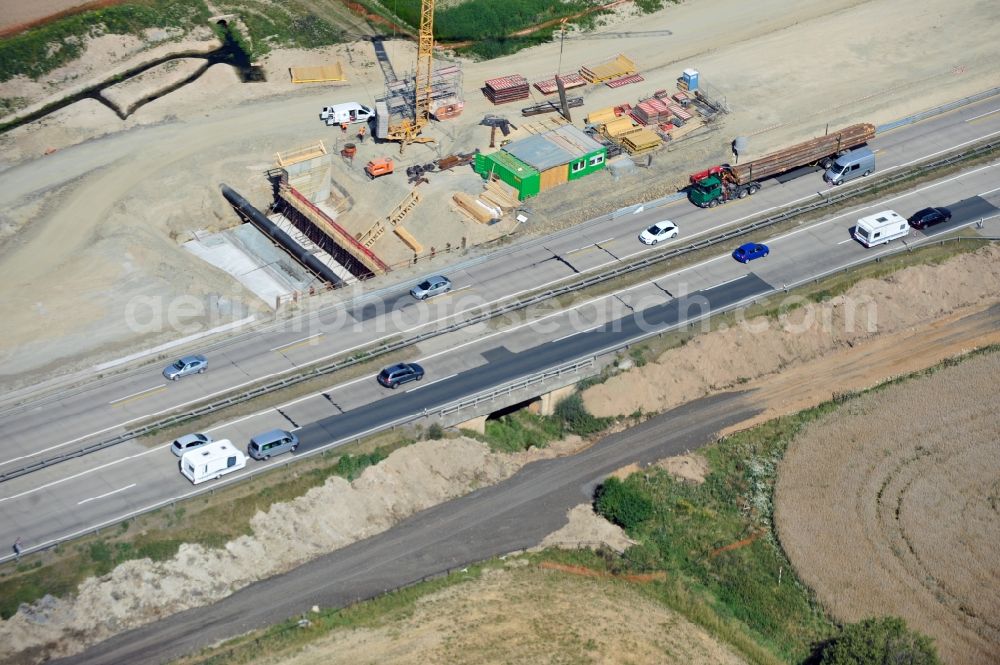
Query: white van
[350,113]
[880,228]
[212,460]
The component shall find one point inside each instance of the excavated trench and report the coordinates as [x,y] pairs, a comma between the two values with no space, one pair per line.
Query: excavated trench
[230,53]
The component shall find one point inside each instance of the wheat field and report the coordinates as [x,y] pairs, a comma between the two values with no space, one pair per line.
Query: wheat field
[890,506]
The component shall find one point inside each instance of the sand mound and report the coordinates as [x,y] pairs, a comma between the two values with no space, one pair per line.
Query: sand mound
[587,529]
[762,346]
[324,519]
[497,618]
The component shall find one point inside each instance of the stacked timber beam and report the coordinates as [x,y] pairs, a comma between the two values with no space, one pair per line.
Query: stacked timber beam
[802,153]
[504,89]
[475,208]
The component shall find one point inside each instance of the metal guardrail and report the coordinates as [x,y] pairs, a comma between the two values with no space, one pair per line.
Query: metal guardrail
[514,386]
[486,315]
[938,110]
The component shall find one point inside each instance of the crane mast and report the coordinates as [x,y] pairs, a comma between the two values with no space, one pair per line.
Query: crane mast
[408,131]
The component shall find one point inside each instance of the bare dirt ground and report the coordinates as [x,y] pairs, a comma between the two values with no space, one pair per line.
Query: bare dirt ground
[498,619]
[817,350]
[152,179]
[889,506]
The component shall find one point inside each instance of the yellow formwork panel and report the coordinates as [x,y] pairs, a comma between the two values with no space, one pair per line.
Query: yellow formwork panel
[321,74]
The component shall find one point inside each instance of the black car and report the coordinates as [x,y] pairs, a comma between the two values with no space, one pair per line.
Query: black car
[929,217]
[394,375]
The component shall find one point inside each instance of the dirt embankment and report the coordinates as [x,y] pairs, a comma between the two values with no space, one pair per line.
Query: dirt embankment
[526,615]
[324,519]
[877,328]
[889,506]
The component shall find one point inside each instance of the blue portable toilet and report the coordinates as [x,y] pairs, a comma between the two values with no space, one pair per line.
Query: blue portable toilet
[690,78]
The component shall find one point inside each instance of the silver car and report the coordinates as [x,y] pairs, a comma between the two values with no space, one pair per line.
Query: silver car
[184,366]
[189,442]
[431,287]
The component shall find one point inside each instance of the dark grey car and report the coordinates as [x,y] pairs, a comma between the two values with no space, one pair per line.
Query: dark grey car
[393,376]
[184,366]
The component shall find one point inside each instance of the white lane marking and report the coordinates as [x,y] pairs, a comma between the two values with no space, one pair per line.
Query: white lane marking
[939,152]
[593,244]
[298,341]
[59,481]
[94,498]
[881,203]
[424,385]
[122,399]
[983,115]
[990,191]
[844,242]
[728,281]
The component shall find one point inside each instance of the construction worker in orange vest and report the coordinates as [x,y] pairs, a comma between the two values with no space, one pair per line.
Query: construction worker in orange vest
[343,127]
[361,134]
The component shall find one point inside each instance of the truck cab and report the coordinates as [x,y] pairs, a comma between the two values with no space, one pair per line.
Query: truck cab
[717,185]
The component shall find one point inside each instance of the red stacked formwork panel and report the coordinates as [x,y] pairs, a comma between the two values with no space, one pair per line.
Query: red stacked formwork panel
[504,89]
[548,86]
[680,112]
[650,112]
[625,80]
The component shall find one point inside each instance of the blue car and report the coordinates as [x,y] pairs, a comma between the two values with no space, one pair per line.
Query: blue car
[750,251]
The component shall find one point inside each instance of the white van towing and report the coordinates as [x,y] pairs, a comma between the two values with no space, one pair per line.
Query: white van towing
[211,461]
[349,112]
[880,228]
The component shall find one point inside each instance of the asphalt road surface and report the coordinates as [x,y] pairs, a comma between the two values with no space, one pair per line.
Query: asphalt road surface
[513,515]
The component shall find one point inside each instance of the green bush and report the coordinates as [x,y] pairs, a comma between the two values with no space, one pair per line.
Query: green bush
[351,466]
[623,503]
[879,641]
[435,432]
[575,417]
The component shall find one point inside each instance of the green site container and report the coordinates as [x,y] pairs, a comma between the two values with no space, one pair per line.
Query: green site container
[510,170]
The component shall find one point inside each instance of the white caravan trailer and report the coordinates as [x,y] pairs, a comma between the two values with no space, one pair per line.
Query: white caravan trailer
[880,228]
[212,461]
[350,113]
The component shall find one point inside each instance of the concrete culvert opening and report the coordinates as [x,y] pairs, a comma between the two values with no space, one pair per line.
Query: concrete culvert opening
[533,405]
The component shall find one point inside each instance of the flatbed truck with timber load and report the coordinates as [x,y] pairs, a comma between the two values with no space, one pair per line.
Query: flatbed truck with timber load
[725,182]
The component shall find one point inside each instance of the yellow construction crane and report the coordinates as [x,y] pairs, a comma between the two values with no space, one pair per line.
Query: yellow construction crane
[408,131]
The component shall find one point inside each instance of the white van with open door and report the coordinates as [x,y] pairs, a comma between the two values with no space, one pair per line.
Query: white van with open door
[350,113]
[880,228]
[211,461]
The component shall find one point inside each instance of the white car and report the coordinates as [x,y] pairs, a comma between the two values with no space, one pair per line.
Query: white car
[660,231]
[190,442]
